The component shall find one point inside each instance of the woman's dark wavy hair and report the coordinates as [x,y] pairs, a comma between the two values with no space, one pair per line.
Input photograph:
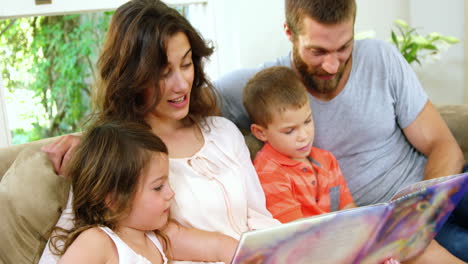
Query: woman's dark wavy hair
[134,56]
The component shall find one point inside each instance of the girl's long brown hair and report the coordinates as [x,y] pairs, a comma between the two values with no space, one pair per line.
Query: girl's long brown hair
[134,56]
[107,163]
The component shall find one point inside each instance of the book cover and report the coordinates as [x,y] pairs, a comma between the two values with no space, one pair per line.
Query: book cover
[401,228]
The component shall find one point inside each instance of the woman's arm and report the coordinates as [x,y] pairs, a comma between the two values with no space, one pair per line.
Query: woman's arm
[198,245]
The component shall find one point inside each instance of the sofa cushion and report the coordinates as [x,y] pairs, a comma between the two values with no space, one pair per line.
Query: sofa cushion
[31,197]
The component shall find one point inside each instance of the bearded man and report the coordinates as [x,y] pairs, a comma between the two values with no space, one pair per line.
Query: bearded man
[370,109]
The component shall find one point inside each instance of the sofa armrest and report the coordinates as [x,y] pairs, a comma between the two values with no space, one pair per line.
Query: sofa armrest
[9,154]
[456,117]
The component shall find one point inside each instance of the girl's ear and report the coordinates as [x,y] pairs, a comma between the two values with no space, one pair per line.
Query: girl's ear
[109,202]
[259,132]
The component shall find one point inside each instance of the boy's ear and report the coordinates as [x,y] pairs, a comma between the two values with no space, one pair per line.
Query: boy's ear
[259,132]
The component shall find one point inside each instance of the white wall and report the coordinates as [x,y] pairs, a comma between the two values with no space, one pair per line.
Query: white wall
[378,15]
[443,80]
[248,32]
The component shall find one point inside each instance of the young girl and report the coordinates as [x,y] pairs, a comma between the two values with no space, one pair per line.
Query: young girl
[121,203]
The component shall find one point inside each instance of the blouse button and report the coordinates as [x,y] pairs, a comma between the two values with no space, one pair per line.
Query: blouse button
[313,182]
[304,169]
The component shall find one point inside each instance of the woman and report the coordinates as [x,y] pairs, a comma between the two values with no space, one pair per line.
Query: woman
[151,71]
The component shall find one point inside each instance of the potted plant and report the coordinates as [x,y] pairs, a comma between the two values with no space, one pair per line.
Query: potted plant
[415,47]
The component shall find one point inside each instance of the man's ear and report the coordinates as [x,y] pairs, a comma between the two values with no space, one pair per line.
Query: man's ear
[259,132]
[288,32]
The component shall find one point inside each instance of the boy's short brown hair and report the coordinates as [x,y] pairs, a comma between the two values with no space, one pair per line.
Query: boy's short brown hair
[271,91]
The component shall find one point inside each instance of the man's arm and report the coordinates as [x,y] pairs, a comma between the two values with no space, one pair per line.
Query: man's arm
[429,134]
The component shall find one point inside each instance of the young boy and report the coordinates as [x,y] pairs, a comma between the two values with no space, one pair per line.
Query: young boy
[299,180]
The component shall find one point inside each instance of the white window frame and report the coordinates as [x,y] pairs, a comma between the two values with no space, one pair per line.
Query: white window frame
[185,2]
[5,135]
[24,8]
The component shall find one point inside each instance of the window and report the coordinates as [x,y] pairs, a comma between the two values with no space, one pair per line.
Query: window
[40,109]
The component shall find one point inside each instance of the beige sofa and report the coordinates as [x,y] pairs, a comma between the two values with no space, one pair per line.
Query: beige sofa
[29,212]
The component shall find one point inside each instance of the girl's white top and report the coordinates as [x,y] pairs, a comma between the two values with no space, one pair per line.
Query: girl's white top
[128,255]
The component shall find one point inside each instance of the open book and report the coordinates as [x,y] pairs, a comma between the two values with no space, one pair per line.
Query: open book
[401,228]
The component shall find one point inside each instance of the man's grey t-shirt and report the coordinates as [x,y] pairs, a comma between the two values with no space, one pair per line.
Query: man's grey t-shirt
[361,126]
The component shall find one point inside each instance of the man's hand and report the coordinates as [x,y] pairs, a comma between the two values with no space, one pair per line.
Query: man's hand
[391,261]
[435,254]
[60,151]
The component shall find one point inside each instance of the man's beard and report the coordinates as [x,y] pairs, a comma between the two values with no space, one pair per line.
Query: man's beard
[314,83]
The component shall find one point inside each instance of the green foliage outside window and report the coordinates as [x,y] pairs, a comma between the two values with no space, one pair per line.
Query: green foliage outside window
[53,60]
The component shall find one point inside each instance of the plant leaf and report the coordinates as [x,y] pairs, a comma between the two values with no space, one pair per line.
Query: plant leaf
[450,40]
[395,39]
[401,23]
[430,47]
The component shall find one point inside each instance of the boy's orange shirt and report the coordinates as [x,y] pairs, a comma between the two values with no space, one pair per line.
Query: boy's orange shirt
[295,190]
